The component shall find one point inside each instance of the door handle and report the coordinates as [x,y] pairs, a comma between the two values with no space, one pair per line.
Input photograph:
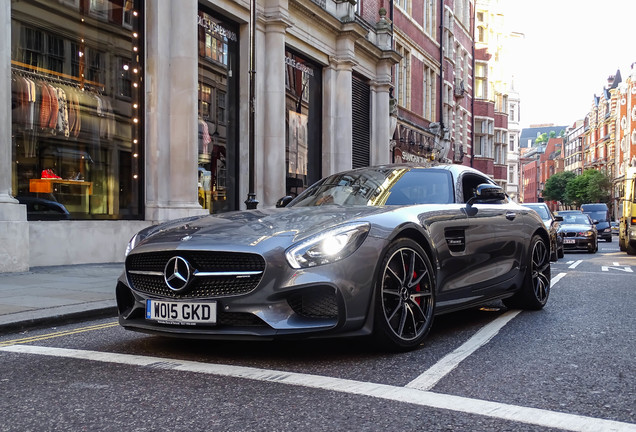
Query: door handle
[511,215]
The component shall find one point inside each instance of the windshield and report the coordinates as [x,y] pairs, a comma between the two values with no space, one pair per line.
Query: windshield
[576,219]
[543,212]
[381,186]
[598,215]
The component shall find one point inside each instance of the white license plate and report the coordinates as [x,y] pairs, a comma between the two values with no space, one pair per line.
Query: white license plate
[569,241]
[184,313]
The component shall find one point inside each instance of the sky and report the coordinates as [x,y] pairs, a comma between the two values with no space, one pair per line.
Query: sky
[569,49]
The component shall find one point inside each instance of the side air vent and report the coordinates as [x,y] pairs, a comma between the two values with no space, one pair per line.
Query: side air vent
[456,240]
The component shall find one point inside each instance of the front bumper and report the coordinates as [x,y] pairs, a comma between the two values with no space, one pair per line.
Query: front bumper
[318,301]
[605,234]
[579,243]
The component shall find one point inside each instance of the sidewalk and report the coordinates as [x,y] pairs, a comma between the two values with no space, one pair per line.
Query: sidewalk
[53,295]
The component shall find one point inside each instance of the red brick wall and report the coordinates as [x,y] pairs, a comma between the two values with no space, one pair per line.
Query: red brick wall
[484,109]
[369,10]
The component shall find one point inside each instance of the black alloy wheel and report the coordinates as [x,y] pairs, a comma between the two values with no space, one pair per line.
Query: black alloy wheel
[535,291]
[405,296]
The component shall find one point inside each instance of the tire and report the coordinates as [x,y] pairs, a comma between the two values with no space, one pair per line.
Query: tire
[631,250]
[609,239]
[535,290]
[561,253]
[404,297]
[554,253]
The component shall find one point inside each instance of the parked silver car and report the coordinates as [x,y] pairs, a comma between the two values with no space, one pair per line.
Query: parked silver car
[373,251]
[552,225]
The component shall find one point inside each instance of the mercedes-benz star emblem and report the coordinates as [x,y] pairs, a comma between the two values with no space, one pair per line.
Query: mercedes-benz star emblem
[177,273]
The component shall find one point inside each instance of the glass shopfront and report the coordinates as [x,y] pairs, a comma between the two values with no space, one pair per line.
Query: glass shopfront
[218,91]
[77,108]
[303,81]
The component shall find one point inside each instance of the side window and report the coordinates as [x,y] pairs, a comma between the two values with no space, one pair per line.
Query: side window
[469,185]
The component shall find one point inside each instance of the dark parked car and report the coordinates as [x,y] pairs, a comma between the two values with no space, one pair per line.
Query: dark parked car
[599,212]
[552,224]
[579,233]
[373,251]
[43,209]
[563,213]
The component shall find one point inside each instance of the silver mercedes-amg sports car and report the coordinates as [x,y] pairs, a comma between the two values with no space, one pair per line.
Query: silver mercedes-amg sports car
[373,251]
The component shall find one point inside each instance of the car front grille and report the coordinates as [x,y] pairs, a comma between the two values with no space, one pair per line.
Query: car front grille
[145,273]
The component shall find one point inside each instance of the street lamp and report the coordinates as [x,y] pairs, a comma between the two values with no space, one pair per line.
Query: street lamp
[251,202]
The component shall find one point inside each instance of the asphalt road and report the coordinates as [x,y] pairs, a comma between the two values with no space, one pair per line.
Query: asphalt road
[570,366]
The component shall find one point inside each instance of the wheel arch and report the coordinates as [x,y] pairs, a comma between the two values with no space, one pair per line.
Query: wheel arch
[422,239]
[543,234]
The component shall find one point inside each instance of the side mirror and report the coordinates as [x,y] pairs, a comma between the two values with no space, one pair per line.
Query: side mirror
[484,193]
[487,192]
[284,201]
[558,218]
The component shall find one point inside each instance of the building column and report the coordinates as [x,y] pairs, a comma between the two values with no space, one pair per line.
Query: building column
[14,228]
[171,110]
[381,114]
[338,106]
[270,65]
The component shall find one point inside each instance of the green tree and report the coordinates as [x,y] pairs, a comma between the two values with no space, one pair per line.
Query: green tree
[599,187]
[541,139]
[555,187]
[591,186]
[575,191]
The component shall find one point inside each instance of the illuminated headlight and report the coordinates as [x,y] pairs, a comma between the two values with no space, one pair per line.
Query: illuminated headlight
[328,246]
[586,234]
[134,241]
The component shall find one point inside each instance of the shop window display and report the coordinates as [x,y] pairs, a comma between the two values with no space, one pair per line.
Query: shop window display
[218,45]
[303,110]
[76,87]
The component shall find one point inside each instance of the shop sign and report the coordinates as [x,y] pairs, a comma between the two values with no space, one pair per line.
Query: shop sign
[289,61]
[214,27]
[410,157]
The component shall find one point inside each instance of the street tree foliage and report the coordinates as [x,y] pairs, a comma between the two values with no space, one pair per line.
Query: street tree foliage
[555,187]
[545,137]
[590,187]
[541,139]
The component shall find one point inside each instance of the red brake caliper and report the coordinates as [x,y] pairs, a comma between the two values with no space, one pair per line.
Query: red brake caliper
[417,289]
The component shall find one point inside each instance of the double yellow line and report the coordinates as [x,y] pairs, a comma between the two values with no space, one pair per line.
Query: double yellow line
[58,334]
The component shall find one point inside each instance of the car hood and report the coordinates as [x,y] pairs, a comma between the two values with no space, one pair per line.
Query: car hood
[575,227]
[247,229]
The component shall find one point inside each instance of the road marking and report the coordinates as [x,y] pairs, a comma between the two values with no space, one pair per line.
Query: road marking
[617,266]
[433,375]
[576,263]
[439,370]
[58,334]
[535,416]
[556,279]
